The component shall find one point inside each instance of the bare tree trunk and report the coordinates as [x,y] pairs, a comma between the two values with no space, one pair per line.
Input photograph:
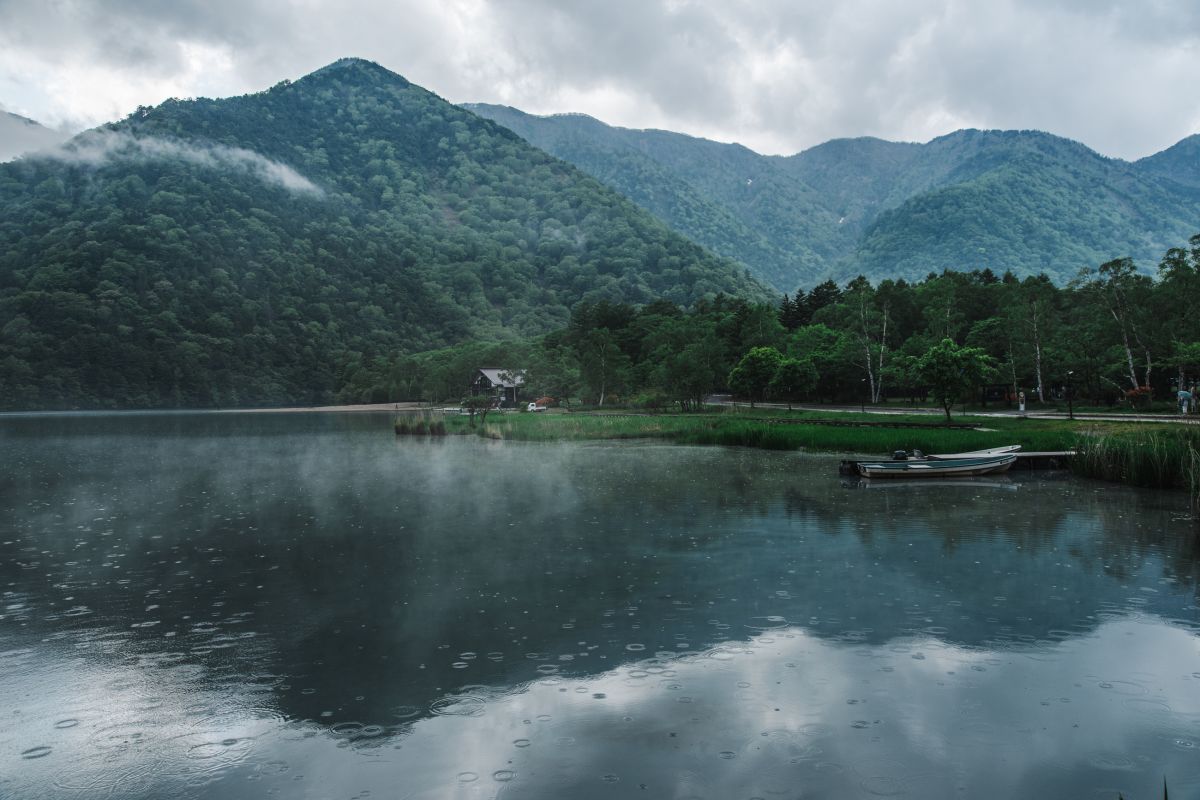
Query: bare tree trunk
[1146,353]
[870,371]
[878,394]
[874,366]
[1012,365]
[1034,314]
[1037,366]
[866,340]
[1128,350]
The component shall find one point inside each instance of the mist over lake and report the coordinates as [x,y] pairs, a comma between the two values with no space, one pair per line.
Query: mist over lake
[238,606]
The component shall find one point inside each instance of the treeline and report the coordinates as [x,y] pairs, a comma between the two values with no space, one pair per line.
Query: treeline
[1112,335]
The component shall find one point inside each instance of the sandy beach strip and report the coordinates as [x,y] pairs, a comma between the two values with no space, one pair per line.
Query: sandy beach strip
[358,408]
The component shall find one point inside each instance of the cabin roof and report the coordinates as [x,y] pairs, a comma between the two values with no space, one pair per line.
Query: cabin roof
[517,376]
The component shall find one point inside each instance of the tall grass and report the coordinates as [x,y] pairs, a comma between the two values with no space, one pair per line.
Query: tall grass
[1156,456]
[426,422]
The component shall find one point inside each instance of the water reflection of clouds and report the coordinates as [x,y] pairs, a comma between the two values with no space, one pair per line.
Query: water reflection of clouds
[789,712]
[782,713]
[370,565]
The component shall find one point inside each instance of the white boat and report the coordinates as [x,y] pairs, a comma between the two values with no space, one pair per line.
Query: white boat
[940,468]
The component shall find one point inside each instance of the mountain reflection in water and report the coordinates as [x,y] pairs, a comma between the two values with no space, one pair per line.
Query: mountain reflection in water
[225,605]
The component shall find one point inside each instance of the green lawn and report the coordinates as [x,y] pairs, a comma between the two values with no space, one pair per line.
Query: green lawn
[767,429]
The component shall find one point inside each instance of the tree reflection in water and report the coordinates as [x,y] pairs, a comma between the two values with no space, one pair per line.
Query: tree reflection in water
[318,593]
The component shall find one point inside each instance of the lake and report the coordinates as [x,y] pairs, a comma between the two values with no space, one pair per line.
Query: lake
[305,606]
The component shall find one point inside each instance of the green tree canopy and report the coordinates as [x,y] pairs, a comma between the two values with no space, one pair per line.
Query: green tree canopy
[752,376]
[793,379]
[951,371]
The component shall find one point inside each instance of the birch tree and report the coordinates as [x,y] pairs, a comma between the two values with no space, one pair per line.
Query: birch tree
[1030,310]
[871,311]
[1112,286]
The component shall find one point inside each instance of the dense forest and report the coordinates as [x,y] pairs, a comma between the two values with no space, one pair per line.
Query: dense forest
[1020,201]
[341,236]
[1112,335]
[252,250]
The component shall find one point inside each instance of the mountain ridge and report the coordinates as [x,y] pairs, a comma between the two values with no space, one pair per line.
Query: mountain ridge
[259,248]
[852,198]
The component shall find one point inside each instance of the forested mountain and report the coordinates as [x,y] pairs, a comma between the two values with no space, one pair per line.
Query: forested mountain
[1179,162]
[22,135]
[1113,335]
[728,198]
[1023,201]
[256,249]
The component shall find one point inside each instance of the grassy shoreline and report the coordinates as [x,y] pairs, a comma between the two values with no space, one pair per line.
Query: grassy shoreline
[1147,455]
[776,431]
[1156,456]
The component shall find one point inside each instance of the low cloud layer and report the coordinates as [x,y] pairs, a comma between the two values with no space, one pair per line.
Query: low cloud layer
[776,75]
[98,148]
[19,135]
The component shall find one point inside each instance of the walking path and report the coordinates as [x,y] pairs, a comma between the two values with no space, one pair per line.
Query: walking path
[899,410]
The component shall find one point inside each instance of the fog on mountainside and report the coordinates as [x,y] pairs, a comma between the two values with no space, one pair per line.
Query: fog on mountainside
[255,249]
[266,249]
[19,135]
[1024,201]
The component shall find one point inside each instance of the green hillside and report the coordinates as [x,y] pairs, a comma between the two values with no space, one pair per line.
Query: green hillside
[1029,205]
[725,197]
[1023,201]
[253,250]
[1180,162]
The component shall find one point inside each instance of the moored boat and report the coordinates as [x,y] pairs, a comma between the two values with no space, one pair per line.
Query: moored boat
[939,468]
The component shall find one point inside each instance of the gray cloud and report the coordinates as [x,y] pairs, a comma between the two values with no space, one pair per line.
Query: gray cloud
[777,75]
[100,147]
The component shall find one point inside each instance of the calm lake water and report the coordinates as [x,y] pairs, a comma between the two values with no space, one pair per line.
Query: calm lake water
[304,606]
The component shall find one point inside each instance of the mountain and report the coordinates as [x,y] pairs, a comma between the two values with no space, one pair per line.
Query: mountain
[1024,201]
[20,135]
[728,198]
[1179,162]
[255,249]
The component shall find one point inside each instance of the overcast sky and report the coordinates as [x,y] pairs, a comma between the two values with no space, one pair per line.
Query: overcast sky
[775,75]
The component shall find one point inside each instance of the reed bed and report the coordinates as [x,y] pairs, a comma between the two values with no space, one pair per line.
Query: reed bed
[421,423]
[1154,456]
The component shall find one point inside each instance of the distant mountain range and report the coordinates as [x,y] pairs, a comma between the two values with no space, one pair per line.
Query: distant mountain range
[261,249]
[255,249]
[20,135]
[1023,201]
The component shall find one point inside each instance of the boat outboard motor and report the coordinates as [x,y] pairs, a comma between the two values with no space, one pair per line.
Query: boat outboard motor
[899,455]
